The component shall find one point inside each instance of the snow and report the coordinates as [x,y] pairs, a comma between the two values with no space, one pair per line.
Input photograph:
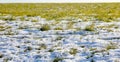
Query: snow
[29,44]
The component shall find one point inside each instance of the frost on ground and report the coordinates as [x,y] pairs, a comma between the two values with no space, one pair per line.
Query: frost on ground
[33,39]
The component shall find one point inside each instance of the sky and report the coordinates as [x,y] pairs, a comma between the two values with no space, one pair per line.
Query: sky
[55,1]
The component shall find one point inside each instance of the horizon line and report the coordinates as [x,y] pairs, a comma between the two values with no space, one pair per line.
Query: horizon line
[59,2]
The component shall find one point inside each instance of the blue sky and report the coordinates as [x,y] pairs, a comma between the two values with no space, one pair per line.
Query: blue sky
[40,1]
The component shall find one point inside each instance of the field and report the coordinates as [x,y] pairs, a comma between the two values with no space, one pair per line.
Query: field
[60,32]
[100,11]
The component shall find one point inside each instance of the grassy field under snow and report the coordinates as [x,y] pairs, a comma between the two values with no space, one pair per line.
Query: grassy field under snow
[63,32]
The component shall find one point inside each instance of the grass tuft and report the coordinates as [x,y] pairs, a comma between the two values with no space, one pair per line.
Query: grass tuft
[90,28]
[57,59]
[45,27]
[73,51]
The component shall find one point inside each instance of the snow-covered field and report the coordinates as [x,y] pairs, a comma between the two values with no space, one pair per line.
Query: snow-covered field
[34,39]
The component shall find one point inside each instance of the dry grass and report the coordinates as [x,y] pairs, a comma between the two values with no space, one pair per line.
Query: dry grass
[101,11]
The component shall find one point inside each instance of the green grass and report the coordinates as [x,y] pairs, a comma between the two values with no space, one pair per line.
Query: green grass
[51,50]
[101,11]
[58,28]
[42,46]
[89,27]
[3,28]
[111,45]
[45,27]
[73,51]
[57,59]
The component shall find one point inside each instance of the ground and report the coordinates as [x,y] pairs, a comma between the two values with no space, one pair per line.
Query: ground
[26,38]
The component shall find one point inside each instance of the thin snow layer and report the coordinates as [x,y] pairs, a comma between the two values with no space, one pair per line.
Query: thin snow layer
[23,41]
